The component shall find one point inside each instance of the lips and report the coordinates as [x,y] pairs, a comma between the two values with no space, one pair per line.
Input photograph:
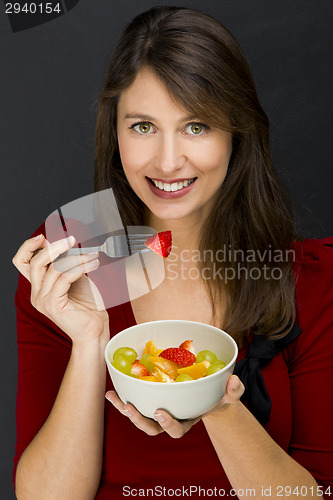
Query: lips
[173,185]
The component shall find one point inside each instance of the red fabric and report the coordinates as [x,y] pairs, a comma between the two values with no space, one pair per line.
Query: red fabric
[299,381]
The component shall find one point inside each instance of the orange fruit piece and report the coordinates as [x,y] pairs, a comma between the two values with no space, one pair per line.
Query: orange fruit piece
[169,367]
[149,378]
[160,375]
[195,371]
[151,348]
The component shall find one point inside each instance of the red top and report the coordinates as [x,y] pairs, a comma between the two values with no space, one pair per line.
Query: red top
[299,381]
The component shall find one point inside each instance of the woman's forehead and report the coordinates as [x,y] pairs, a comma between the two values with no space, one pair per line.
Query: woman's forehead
[148,96]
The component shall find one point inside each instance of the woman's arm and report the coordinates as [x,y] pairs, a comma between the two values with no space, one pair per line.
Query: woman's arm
[64,458]
[251,458]
[255,464]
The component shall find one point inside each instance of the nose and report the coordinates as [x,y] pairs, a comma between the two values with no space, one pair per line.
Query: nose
[170,155]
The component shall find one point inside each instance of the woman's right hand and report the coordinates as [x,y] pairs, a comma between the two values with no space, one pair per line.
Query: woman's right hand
[66,296]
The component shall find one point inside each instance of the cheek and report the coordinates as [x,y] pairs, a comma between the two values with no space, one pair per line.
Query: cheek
[133,155]
[222,156]
[215,159]
[128,156]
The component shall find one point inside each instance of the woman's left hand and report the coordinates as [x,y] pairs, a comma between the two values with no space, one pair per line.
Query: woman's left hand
[165,423]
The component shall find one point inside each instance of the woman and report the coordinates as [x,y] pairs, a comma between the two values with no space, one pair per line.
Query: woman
[184,143]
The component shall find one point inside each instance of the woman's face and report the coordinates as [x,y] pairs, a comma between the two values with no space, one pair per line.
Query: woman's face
[173,162]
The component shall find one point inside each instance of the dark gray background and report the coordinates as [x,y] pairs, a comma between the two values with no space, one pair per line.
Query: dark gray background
[50,79]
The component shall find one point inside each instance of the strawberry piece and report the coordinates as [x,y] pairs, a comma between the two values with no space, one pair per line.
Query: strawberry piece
[138,369]
[188,344]
[160,243]
[182,357]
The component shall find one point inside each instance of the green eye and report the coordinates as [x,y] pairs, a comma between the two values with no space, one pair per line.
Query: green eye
[143,127]
[196,128]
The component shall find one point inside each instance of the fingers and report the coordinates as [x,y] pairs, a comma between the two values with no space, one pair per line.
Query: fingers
[65,273]
[145,424]
[50,283]
[53,294]
[21,259]
[40,262]
[165,422]
[234,391]
[25,259]
[175,428]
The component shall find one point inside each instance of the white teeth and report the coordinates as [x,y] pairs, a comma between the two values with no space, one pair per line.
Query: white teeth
[175,186]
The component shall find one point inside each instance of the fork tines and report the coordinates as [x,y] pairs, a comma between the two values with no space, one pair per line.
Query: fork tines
[137,242]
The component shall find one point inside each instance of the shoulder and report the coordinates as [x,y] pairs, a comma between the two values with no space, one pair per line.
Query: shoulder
[310,251]
[313,270]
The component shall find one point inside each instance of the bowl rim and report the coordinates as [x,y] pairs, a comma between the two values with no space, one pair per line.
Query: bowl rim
[161,384]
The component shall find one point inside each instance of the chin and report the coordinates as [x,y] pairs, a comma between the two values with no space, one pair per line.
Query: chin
[170,214]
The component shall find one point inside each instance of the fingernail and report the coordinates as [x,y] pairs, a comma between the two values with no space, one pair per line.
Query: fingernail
[159,417]
[236,387]
[38,237]
[107,397]
[127,413]
[66,242]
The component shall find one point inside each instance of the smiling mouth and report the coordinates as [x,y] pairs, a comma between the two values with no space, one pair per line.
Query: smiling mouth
[174,186]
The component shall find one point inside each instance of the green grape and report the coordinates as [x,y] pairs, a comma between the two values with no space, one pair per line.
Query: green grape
[122,364]
[206,355]
[183,378]
[215,367]
[145,361]
[128,352]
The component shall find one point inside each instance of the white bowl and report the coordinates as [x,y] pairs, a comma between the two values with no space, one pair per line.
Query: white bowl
[183,400]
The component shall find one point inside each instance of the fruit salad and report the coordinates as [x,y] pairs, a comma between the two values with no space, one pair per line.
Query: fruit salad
[174,364]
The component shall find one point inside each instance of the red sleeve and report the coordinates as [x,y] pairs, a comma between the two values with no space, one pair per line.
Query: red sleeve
[311,366]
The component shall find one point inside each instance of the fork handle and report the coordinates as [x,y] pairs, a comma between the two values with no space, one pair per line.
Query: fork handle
[81,251]
[73,251]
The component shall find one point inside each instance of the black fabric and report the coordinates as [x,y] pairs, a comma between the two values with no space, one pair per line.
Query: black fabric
[260,352]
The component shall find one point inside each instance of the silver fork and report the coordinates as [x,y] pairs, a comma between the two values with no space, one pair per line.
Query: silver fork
[116,246]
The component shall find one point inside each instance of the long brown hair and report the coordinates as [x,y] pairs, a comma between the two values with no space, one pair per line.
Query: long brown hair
[204,69]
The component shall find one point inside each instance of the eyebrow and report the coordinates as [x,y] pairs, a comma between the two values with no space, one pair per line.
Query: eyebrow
[139,116]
